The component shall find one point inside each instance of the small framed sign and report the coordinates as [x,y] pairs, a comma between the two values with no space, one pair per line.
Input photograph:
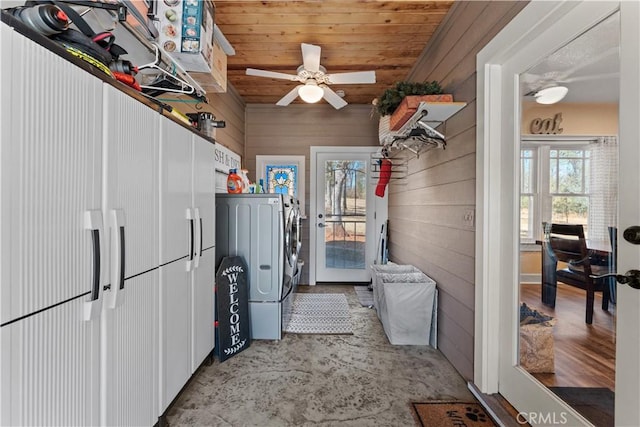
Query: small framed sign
[232,307]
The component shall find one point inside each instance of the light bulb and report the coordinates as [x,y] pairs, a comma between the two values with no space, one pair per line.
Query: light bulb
[311,92]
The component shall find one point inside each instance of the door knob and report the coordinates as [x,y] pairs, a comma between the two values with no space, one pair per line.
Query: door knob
[631,278]
[632,234]
[321,225]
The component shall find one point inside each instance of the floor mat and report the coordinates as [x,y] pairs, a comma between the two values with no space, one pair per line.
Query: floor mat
[365,296]
[594,403]
[320,314]
[451,414]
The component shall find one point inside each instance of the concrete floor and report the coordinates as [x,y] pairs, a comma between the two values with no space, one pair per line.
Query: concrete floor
[328,380]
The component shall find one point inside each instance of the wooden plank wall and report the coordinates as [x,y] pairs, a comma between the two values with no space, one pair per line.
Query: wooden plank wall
[426,216]
[229,107]
[292,130]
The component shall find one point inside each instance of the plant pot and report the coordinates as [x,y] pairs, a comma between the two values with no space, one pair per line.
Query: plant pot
[409,106]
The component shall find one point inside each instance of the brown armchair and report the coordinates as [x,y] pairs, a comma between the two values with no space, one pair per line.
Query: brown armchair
[566,243]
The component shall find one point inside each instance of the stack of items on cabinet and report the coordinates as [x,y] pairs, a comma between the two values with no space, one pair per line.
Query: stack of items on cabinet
[406,302]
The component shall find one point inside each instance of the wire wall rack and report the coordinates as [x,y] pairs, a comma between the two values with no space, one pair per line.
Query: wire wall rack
[399,168]
[419,133]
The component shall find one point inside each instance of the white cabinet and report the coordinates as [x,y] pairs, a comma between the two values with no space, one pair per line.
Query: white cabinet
[129,384]
[106,297]
[187,224]
[50,193]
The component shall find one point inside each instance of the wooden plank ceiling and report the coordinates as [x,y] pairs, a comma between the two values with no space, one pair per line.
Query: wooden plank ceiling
[355,35]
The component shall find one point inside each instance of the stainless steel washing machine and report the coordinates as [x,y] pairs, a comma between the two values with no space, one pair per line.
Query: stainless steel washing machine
[253,226]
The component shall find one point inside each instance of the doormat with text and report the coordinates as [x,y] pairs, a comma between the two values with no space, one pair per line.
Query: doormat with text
[451,414]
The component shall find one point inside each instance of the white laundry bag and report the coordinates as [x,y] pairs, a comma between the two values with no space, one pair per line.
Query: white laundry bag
[405,305]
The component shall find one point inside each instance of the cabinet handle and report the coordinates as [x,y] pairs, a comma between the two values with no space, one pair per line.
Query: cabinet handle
[198,250]
[201,248]
[95,287]
[122,258]
[93,223]
[116,293]
[189,214]
[191,250]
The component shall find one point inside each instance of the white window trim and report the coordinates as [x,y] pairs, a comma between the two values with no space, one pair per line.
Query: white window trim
[263,160]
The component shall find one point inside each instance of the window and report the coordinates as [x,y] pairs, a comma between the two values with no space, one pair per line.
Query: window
[527,193]
[283,175]
[554,186]
[281,179]
[569,186]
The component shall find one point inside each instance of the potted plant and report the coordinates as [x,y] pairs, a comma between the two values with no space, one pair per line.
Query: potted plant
[401,101]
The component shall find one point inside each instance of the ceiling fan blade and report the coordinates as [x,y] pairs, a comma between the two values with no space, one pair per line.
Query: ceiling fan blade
[350,78]
[332,98]
[288,98]
[272,74]
[311,57]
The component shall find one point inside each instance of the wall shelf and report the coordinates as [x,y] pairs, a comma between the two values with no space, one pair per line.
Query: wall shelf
[419,133]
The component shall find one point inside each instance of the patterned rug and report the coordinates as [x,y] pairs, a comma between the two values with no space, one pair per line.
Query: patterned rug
[451,414]
[320,314]
[365,296]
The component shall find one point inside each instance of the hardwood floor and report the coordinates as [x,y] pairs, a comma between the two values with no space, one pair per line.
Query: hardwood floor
[584,354]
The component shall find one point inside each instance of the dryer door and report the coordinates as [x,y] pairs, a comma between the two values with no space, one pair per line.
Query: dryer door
[291,243]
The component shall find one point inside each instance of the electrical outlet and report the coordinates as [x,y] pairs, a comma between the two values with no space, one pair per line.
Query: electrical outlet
[469,218]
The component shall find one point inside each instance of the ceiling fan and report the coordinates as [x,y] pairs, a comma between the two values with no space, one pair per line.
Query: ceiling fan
[315,80]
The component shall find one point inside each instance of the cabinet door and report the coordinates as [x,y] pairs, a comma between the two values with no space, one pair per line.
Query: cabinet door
[130,384]
[204,187]
[175,191]
[130,327]
[203,318]
[49,369]
[175,331]
[131,176]
[50,163]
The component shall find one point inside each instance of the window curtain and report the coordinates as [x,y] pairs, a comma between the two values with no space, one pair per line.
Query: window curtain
[603,188]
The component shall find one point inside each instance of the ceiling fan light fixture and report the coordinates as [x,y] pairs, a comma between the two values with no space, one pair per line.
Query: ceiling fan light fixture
[551,95]
[311,92]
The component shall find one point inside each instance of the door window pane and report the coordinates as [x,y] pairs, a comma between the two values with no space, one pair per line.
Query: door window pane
[345,201]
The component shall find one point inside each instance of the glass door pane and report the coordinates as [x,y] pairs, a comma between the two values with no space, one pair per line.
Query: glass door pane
[345,207]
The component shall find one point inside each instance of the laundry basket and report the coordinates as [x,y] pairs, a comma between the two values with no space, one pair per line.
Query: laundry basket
[390,268]
[405,304]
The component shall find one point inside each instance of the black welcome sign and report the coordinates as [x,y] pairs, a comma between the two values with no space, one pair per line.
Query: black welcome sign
[232,307]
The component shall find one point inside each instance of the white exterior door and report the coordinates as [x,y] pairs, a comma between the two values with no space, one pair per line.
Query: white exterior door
[512,52]
[343,214]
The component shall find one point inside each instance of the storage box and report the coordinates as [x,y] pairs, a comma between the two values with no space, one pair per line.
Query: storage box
[216,80]
[409,106]
[186,32]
